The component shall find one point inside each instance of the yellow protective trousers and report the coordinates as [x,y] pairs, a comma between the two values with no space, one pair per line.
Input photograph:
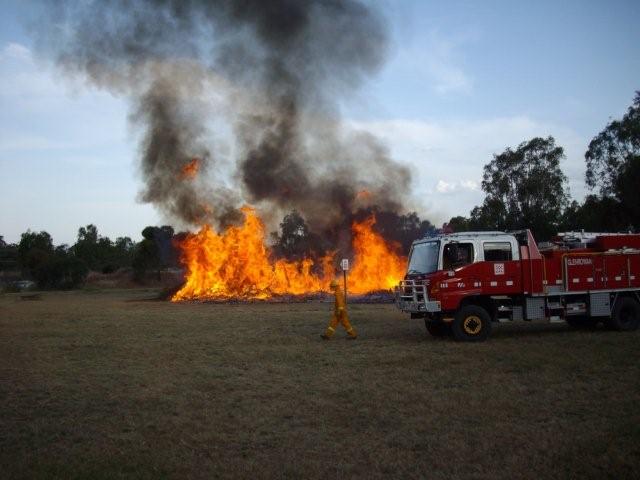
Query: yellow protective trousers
[340,316]
[343,318]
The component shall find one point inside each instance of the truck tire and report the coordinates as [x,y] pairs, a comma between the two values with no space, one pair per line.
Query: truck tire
[582,322]
[625,316]
[437,328]
[471,324]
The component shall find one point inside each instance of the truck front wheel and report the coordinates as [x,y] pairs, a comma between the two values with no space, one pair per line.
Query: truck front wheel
[471,324]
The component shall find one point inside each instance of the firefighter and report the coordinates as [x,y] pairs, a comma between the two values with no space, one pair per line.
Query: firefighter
[339,314]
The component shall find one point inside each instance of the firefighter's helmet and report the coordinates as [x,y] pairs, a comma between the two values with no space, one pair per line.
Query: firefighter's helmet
[333,285]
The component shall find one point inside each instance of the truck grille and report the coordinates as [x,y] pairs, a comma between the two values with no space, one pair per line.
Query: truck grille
[411,296]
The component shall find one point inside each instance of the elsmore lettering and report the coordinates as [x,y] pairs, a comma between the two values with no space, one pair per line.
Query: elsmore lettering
[580,261]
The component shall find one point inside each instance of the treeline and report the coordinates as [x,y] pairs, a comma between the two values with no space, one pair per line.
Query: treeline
[63,267]
[36,258]
[526,188]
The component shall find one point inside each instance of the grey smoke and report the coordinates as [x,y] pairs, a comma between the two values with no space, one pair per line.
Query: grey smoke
[286,66]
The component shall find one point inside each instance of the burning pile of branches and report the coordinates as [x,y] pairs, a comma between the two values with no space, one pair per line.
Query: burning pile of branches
[237,264]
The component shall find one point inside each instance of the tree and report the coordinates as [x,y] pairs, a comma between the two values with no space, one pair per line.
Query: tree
[403,229]
[100,253]
[295,240]
[87,247]
[491,215]
[164,238]
[154,252]
[63,270]
[122,251]
[595,214]
[88,234]
[49,267]
[8,256]
[628,188]
[459,224]
[612,151]
[34,240]
[613,168]
[34,250]
[124,245]
[613,164]
[525,189]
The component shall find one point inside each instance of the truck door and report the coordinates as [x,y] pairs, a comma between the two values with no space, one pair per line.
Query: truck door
[504,273]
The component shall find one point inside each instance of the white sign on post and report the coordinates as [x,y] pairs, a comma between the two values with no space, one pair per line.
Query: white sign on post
[345,264]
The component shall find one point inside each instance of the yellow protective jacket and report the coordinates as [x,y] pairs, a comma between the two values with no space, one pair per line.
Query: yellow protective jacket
[340,305]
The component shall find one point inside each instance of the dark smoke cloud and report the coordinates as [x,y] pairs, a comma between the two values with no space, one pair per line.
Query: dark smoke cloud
[283,66]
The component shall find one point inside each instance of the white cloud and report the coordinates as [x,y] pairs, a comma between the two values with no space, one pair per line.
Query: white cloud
[450,187]
[16,51]
[469,185]
[445,187]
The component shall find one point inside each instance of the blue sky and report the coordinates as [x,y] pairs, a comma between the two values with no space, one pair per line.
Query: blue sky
[463,80]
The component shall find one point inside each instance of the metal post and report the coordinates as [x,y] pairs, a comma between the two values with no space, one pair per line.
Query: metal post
[344,264]
[344,274]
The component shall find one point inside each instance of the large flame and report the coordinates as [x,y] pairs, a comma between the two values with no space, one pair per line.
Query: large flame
[376,266]
[238,264]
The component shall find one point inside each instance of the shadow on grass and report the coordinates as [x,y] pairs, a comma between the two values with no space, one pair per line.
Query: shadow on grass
[499,331]
[521,329]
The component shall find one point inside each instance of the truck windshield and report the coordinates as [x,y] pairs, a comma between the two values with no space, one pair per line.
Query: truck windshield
[424,258]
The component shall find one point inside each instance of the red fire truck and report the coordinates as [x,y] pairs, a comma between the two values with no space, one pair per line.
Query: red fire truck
[462,283]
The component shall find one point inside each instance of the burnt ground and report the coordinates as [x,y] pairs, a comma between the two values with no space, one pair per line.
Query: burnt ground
[107,385]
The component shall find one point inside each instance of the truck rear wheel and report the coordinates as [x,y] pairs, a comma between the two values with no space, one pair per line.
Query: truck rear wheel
[471,324]
[625,316]
[437,328]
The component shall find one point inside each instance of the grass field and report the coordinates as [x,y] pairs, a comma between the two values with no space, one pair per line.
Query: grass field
[111,385]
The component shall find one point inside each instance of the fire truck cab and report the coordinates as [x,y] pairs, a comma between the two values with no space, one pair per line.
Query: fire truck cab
[462,283]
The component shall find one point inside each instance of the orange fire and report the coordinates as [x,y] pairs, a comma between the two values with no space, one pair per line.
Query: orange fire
[190,170]
[238,264]
[376,266]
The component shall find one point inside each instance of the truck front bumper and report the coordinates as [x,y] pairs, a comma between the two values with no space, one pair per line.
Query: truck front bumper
[411,297]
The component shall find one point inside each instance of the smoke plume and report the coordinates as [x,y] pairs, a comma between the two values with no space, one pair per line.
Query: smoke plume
[282,69]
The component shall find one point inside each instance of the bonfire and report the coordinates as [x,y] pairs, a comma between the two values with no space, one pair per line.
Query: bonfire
[238,264]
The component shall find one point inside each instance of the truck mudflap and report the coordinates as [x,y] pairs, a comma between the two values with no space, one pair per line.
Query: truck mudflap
[412,297]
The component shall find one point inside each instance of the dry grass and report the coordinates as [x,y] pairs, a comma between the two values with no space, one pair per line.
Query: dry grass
[106,385]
